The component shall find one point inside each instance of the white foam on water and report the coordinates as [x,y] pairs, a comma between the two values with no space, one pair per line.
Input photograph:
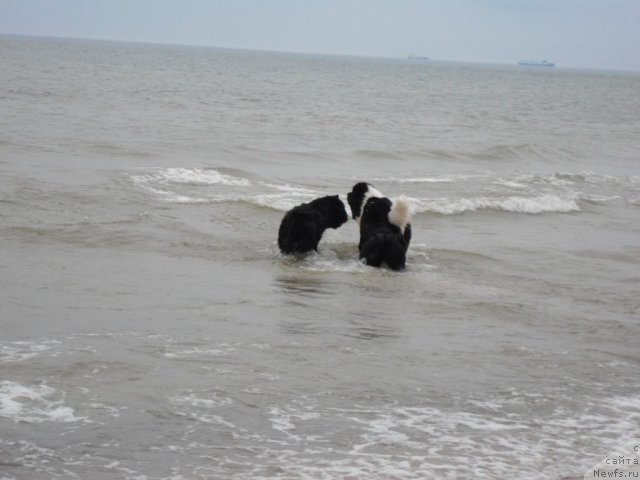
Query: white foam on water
[166,183]
[282,201]
[171,197]
[189,176]
[524,193]
[113,411]
[630,405]
[434,179]
[204,400]
[19,351]
[284,420]
[34,404]
[535,184]
[283,197]
[171,185]
[482,439]
[510,184]
[537,193]
[316,264]
[339,254]
[294,190]
[599,199]
[198,352]
[562,179]
[516,204]
[516,179]
[278,201]
[326,260]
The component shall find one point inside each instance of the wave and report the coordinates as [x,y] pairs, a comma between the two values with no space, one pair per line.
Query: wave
[529,193]
[172,197]
[504,152]
[410,154]
[488,437]
[197,186]
[33,404]
[525,193]
[435,179]
[190,176]
[285,201]
[516,204]
[282,202]
[509,152]
[559,179]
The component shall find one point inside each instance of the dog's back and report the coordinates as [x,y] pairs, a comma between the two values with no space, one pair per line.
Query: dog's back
[298,231]
[302,227]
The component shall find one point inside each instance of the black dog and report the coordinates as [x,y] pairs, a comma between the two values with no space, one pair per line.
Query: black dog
[385,231]
[302,227]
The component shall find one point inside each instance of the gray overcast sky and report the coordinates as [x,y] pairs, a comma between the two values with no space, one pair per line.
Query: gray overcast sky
[578,33]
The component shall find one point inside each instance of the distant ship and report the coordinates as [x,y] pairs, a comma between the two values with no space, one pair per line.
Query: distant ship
[529,63]
[416,57]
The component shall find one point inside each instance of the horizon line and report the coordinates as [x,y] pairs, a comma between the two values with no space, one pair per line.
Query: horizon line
[298,52]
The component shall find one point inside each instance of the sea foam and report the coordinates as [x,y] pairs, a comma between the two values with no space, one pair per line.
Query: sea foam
[516,204]
[19,351]
[33,404]
[191,176]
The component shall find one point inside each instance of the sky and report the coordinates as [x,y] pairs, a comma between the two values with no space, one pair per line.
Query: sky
[571,33]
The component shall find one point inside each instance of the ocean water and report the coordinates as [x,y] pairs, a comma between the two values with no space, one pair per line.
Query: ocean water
[151,329]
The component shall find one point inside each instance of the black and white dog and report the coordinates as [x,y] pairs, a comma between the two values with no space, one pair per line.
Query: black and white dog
[385,231]
[302,227]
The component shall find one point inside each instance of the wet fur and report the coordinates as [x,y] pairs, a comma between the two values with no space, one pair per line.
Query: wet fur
[302,227]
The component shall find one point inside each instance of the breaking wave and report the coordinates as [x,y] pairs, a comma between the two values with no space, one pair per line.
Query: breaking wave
[523,193]
[532,205]
[189,176]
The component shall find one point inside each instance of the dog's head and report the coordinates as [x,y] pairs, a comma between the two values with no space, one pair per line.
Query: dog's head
[333,209]
[376,210]
[337,212]
[358,196]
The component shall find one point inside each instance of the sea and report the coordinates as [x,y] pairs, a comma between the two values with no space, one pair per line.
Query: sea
[151,329]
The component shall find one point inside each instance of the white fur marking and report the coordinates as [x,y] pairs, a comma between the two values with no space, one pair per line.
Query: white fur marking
[374,192]
[345,204]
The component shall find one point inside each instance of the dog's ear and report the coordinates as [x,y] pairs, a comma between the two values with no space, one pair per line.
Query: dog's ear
[360,188]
